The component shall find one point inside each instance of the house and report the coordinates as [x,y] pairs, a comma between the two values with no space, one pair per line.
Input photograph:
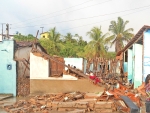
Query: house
[26,68]
[15,66]
[22,57]
[40,82]
[44,35]
[136,56]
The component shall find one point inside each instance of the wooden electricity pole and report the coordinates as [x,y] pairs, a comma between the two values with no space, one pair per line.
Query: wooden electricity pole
[42,29]
[2,30]
[7,30]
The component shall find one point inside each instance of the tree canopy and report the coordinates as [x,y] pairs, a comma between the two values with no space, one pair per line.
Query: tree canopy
[119,33]
[96,46]
[68,46]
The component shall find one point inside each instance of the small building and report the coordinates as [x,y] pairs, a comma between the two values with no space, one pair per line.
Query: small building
[44,35]
[136,56]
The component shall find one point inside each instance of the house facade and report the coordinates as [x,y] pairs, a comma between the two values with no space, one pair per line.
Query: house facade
[136,57]
[44,35]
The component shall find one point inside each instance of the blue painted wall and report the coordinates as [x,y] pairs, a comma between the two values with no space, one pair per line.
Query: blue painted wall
[130,66]
[146,64]
[133,61]
[125,67]
[7,74]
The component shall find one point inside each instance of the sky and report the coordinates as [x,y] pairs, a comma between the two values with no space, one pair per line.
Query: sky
[72,16]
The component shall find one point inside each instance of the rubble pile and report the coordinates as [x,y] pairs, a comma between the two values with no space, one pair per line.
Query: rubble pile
[23,86]
[75,102]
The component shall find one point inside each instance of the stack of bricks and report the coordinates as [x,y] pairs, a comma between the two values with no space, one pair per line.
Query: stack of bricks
[48,103]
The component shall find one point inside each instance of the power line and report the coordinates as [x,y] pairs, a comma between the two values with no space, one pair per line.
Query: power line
[86,18]
[42,29]
[99,21]
[56,11]
[68,12]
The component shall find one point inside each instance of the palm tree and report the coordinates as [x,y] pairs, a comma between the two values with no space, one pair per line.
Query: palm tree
[68,37]
[120,34]
[80,40]
[96,47]
[55,38]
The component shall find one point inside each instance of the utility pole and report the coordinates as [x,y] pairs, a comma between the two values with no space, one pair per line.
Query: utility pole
[2,30]
[42,29]
[7,30]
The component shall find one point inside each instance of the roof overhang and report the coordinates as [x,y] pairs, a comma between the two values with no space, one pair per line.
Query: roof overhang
[134,39]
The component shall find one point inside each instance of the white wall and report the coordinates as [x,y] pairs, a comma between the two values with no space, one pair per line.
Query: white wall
[137,65]
[39,67]
[75,62]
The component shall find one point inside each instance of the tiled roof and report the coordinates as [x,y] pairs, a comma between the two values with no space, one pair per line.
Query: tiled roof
[24,43]
[21,44]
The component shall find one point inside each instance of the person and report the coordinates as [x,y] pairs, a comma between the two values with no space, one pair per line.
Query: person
[146,92]
[93,76]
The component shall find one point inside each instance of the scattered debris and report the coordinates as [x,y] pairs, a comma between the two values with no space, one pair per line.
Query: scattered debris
[69,102]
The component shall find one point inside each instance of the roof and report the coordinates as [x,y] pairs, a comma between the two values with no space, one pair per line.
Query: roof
[134,39]
[22,44]
[43,33]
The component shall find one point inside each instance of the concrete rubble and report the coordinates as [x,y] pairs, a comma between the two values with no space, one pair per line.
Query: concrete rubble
[78,102]
[118,95]
[75,102]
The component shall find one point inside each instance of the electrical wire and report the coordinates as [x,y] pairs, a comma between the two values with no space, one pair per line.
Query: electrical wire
[101,21]
[56,11]
[84,18]
[68,12]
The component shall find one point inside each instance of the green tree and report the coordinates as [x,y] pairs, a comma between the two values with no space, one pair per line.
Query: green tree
[47,45]
[52,44]
[69,50]
[68,37]
[54,37]
[20,37]
[120,33]
[96,47]
[80,40]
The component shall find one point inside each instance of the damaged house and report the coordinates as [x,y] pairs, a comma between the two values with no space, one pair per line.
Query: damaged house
[15,67]
[22,57]
[136,57]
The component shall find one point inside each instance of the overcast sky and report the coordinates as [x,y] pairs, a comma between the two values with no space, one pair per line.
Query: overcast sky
[74,16]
